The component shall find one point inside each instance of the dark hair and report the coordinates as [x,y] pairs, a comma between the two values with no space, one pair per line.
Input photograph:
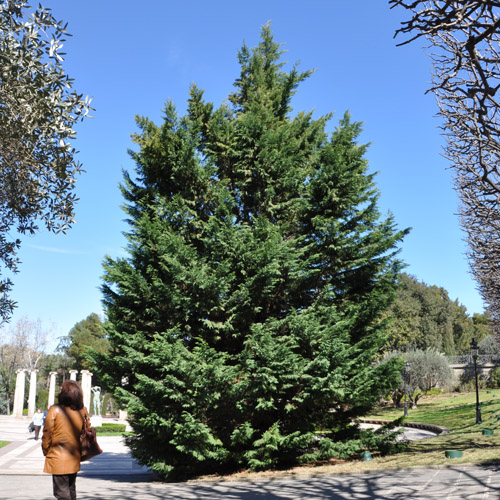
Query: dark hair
[71,395]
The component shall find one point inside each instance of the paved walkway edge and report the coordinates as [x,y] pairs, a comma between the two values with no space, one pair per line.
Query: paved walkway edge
[412,425]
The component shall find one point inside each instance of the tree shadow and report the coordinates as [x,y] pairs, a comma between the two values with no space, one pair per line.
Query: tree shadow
[455,482]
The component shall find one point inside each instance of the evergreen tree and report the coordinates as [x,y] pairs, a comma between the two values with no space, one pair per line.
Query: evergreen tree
[88,334]
[248,313]
[424,317]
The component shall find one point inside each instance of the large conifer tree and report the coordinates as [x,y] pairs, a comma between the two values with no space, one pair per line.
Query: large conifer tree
[247,314]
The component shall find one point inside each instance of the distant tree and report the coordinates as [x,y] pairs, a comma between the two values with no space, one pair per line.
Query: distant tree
[424,317]
[477,327]
[22,346]
[10,362]
[38,112]
[428,369]
[248,313]
[490,346]
[86,335]
[54,362]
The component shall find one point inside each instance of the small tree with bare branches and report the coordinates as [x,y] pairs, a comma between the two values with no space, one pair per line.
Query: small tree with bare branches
[21,347]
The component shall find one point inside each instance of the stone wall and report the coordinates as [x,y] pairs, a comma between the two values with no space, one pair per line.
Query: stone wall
[482,368]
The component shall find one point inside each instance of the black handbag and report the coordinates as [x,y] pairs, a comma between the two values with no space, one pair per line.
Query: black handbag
[31,427]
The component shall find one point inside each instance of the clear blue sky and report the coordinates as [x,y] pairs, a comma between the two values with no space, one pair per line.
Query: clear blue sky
[133,56]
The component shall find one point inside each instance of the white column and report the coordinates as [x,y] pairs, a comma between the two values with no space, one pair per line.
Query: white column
[32,393]
[72,374]
[86,386]
[19,394]
[88,391]
[52,388]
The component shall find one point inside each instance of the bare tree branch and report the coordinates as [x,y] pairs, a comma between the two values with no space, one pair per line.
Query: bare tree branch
[21,347]
[463,37]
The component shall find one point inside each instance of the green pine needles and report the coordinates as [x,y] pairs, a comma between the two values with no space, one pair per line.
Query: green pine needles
[246,320]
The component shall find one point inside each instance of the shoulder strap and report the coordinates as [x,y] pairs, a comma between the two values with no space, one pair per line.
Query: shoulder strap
[85,419]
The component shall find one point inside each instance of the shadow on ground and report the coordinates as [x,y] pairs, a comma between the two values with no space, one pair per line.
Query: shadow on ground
[457,483]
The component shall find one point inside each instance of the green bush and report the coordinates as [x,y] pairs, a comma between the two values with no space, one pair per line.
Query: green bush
[42,399]
[468,380]
[109,405]
[3,404]
[494,380]
[434,391]
[110,428]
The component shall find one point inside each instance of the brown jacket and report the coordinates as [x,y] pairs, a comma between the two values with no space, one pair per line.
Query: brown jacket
[61,439]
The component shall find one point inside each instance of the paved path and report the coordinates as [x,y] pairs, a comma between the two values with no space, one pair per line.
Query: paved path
[458,483]
[115,475]
[23,456]
[410,433]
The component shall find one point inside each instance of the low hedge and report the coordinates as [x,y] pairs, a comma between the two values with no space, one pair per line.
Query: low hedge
[109,428]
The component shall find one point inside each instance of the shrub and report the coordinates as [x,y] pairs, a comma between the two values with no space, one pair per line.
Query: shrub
[467,382]
[109,405]
[110,428]
[42,399]
[494,379]
[429,371]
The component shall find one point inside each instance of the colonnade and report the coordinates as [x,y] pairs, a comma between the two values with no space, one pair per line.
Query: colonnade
[85,382]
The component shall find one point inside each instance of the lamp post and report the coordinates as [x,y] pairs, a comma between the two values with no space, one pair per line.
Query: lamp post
[405,377]
[474,350]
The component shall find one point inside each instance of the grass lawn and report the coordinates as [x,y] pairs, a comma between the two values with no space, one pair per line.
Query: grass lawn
[455,411]
[4,443]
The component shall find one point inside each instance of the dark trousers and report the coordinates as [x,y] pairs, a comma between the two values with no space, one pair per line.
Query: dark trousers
[64,486]
[37,431]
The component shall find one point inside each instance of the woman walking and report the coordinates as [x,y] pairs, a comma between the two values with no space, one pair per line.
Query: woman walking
[37,422]
[61,439]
